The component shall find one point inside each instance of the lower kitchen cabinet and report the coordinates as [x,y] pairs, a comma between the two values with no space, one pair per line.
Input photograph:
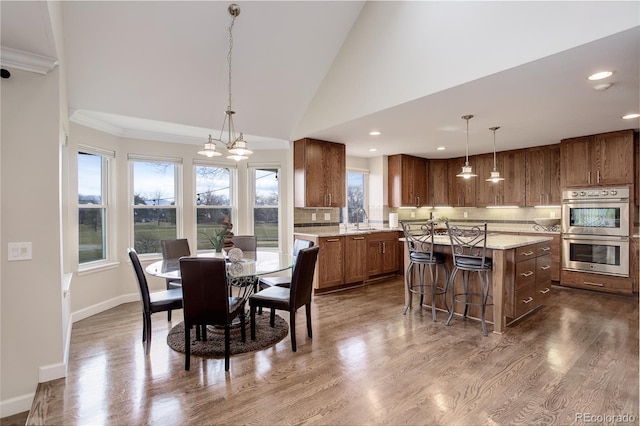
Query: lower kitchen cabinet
[383,254]
[531,280]
[607,283]
[355,264]
[330,268]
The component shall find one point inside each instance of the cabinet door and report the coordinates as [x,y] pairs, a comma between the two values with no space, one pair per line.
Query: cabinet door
[408,188]
[420,179]
[334,174]
[389,254]
[462,192]
[374,261]
[331,262]
[512,167]
[356,259]
[576,161]
[407,181]
[552,175]
[487,193]
[535,171]
[438,178]
[613,158]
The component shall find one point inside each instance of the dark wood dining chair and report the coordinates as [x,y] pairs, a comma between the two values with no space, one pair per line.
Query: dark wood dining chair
[245,242]
[284,281]
[174,250]
[159,301]
[289,299]
[206,302]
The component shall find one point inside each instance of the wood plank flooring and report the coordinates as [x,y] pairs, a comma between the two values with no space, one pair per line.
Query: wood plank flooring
[366,364]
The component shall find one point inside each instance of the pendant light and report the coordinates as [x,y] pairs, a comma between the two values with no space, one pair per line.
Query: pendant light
[236,146]
[466,172]
[495,174]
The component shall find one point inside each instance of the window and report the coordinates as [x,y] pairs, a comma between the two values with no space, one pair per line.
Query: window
[213,204]
[356,196]
[93,204]
[266,201]
[154,199]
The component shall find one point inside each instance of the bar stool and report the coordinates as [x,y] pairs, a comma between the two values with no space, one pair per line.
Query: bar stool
[468,247]
[419,238]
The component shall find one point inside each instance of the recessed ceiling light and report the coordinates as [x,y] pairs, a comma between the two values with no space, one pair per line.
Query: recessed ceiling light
[603,86]
[630,116]
[600,75]
[373,149]
[375,133]
[441,148]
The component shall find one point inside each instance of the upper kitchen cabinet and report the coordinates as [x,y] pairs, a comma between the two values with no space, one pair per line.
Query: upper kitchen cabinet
[438,186]
[407,181]
[462,192]
[510,191]
[320,169]
[604,159]
[543,176]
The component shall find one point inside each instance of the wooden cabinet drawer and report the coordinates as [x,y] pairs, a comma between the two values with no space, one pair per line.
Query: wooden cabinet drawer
[598,282]
[543,268]
[543,292]
[543,248]
[525,300]
[526,252]
[525,273]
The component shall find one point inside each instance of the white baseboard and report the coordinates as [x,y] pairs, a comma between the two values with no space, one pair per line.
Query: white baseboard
[16,405]
[103,306]
[52,372]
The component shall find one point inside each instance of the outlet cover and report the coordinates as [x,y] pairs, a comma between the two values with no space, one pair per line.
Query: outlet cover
[413,214]
[19,251]
[314,217]
[327,216]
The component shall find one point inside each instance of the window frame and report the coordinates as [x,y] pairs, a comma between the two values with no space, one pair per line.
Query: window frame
[233,195]
[251,168]
[177,182]
[108,205]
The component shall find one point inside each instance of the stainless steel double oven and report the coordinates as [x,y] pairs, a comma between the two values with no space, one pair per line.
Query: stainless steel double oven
[595,230]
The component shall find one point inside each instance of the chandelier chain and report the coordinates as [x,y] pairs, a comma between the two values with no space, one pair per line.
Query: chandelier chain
[229,56]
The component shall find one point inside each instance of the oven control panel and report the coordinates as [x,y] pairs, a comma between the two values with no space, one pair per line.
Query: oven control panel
[595,193]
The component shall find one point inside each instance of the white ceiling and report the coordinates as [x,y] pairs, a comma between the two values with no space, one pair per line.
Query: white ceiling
[157,69]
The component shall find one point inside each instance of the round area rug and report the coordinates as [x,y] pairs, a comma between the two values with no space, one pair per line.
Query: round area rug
[214,346]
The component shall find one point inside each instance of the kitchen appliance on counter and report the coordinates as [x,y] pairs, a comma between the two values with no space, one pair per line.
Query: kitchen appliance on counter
[595,230]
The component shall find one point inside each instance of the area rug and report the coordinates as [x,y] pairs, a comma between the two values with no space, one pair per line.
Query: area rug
[214,346]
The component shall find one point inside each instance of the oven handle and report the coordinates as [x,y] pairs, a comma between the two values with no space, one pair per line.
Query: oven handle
[595,201]
[594,237]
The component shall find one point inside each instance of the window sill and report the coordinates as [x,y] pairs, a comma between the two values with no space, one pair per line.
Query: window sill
[86,270]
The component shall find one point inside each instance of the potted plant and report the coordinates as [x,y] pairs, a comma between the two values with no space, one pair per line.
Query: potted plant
[217,238]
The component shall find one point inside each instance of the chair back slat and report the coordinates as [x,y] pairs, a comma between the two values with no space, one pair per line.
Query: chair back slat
[468,241]
[419,237]
[142,280]
[302,276]
[205,291]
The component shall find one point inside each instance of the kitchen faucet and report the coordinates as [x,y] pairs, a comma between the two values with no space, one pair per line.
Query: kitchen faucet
[364,216]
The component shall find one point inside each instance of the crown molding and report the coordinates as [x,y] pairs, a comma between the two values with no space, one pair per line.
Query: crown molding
[79,117]
[26,61]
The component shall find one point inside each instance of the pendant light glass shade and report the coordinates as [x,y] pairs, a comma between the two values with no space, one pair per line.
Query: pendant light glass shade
[236,146]
[466,172]
[495,174]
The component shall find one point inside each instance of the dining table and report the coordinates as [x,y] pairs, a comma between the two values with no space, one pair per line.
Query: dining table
[242,274]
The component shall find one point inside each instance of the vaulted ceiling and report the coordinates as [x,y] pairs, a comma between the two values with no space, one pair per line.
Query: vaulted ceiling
[337,70]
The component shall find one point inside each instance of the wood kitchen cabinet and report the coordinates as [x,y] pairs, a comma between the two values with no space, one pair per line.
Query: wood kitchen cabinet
[462,192]
[355,261]
[532,279]
[319,173]
[408,177]
[509,192]
[438,183]
[330,268]
[542,173]
[383,256]
[603,159]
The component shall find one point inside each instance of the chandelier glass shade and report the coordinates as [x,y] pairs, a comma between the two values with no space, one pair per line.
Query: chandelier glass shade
[466,172]
[495,174]
[235,145]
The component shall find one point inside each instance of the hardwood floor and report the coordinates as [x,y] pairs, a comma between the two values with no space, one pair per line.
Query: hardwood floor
[367,363]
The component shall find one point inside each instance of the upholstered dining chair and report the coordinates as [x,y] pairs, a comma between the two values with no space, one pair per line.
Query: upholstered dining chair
[174,250]
[206,302]
[289,299]
[164,300]
[245,242]
[284,281]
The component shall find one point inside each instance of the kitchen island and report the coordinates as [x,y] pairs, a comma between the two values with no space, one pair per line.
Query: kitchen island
[520,280]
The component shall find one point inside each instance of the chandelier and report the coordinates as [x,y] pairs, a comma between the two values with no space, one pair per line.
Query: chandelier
[236,145]
[495,174]
[466,172]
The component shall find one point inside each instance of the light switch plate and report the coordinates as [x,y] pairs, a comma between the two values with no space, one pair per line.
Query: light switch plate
[327,216]
[313,217]
[413,214]
[19,251]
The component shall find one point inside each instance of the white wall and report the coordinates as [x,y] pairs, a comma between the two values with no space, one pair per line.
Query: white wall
[31,290]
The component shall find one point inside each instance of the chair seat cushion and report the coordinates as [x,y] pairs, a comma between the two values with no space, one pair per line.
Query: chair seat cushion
[266,282]
[277,297]
[418,256]
[473,262]
[160,299]
[175,284]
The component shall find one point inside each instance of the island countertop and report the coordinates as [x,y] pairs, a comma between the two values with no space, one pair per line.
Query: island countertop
[500,241]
